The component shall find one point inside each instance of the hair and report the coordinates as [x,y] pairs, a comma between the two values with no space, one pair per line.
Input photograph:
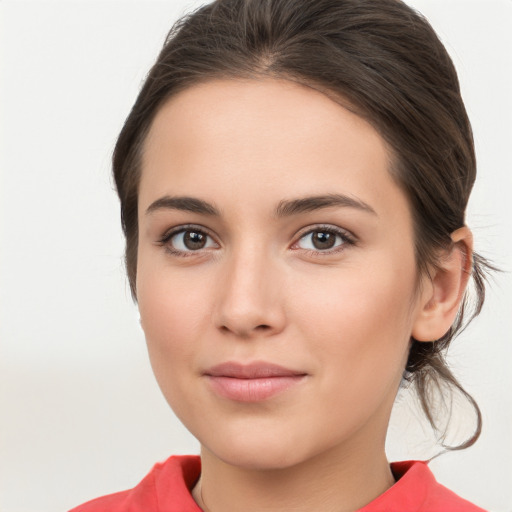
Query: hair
[379,58]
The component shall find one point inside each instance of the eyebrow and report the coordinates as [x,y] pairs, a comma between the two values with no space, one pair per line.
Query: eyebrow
[285,208]
[307,204]
[186,204]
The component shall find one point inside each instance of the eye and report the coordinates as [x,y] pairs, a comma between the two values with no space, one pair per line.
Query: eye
[324,239]
[187,240]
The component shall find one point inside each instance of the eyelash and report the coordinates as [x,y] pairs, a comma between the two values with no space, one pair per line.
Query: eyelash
[347,240]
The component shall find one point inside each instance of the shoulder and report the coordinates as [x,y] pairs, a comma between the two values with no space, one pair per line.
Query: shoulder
[439,498]
[168,482]
[417,490]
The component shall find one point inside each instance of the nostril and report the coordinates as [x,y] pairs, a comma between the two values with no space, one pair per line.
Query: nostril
[243,332]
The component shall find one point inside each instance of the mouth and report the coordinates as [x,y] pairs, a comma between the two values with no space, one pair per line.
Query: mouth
[253,382]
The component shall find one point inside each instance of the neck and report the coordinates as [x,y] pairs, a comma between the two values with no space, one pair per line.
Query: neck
[333,482]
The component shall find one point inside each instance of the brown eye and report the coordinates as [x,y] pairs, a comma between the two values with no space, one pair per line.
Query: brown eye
[189,240]
[323,240]
[194,240]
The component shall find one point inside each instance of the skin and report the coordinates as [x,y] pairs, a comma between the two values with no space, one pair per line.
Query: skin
[260,290]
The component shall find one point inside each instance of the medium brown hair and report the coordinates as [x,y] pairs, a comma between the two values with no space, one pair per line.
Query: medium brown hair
[381,59]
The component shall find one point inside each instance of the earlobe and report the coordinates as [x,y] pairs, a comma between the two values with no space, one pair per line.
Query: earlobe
[443,293]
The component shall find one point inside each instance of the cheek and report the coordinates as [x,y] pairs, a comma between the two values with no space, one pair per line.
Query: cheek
[173,310]
[361,320]
[172,315]
[361,330]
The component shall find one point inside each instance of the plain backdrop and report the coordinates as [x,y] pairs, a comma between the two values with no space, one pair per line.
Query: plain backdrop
[81,415]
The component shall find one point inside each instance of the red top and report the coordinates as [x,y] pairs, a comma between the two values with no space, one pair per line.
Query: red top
[167,489]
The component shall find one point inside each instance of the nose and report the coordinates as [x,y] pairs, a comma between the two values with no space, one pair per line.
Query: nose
[251,296]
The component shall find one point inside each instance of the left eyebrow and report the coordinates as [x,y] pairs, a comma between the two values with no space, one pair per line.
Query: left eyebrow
[290,207]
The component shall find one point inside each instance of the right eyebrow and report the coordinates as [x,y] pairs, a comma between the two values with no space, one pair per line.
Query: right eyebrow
[184,203]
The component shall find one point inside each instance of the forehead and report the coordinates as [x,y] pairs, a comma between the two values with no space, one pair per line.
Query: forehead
[272,137]
[248,112]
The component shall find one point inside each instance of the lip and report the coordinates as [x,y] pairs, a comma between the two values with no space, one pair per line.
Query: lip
[252,382]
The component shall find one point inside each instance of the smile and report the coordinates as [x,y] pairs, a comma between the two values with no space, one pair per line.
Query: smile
[251,383]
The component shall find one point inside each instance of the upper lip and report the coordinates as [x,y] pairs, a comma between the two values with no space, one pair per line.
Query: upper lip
[256,370]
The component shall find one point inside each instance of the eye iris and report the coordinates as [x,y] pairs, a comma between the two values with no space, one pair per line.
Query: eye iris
[194,240]
[323,240]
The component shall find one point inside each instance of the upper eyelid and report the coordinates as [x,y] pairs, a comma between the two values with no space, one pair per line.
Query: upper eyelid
[302,231]
[169,233]
[326,227]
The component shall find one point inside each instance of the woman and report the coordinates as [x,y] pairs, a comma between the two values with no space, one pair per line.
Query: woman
[293,181]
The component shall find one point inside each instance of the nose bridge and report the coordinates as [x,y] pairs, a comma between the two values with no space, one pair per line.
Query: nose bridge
[249,300]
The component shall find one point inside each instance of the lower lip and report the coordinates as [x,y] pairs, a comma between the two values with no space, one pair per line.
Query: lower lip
[252,390]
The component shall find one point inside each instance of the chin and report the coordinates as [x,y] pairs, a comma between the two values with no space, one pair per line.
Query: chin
[261,459]
[261,452]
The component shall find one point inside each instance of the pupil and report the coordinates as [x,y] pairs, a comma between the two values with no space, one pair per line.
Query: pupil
[323,240]
[194,240]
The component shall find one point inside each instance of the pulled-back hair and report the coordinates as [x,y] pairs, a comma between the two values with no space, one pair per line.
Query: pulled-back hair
[380,59]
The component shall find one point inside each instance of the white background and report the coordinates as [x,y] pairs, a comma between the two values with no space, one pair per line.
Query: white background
[80,413]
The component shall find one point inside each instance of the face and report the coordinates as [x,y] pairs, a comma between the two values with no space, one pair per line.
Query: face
[276,274]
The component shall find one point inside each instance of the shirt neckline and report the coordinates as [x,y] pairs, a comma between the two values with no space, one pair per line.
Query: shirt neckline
[413,478]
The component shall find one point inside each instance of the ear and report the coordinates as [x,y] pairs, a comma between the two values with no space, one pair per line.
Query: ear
[443,292]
